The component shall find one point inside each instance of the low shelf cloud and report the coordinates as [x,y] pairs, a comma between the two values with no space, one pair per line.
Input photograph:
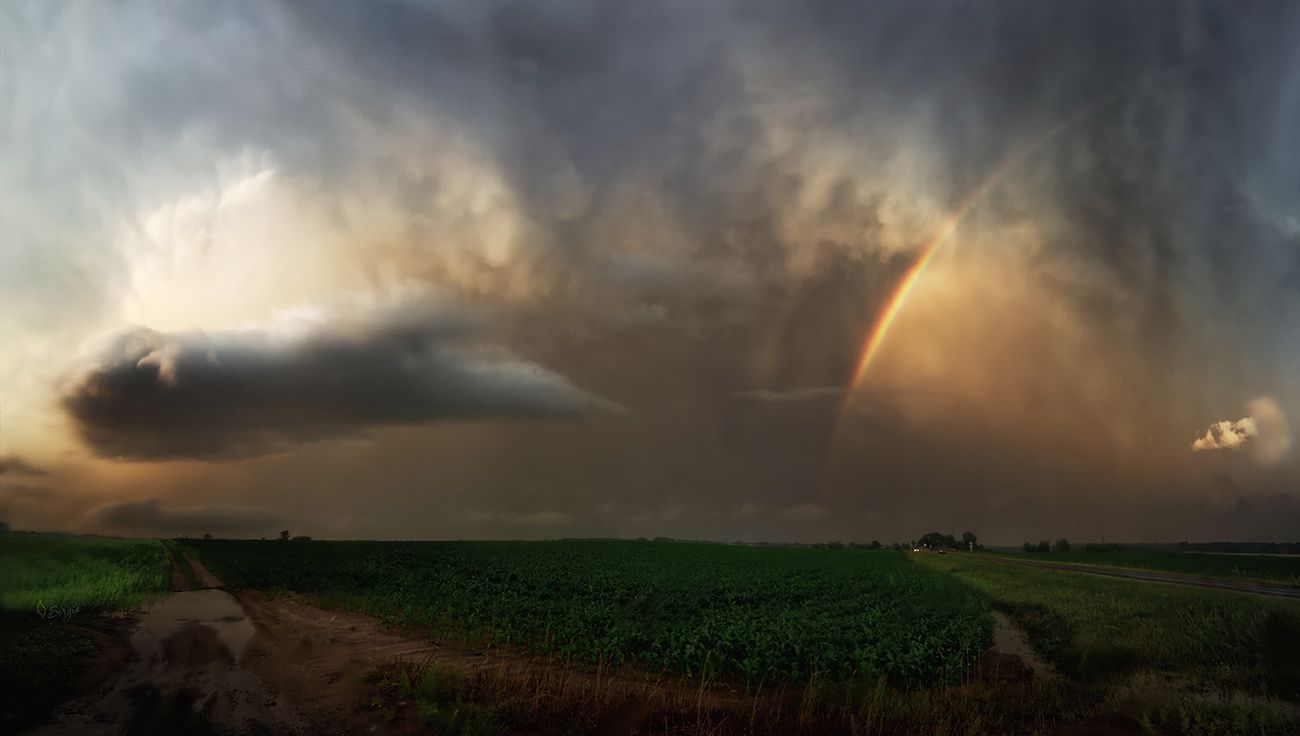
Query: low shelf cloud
[239,393]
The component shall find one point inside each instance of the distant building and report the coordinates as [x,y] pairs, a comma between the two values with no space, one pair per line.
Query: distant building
[4,528]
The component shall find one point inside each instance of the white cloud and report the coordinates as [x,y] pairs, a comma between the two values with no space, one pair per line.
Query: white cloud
[1226,435]
[1265,429]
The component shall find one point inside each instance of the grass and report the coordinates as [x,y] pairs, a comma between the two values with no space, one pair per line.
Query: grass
[1215,661]
[90,574]
[54,592]
[1099,628]
[1266,568]
[755,615]
[548,698]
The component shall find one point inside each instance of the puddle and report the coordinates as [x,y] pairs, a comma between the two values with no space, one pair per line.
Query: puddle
[188,677]
[183,611]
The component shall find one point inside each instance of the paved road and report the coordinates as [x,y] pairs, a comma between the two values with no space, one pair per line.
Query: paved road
[1156,576]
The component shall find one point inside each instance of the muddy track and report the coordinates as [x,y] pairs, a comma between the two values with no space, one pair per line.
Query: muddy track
[185,674]
[1155,576]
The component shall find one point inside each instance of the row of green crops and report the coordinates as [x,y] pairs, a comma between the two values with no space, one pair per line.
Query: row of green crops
[63,572]
[756,614]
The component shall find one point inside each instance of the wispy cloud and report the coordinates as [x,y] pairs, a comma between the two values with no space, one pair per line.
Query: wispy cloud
[149,516]
[766,396]
[805,512]
[545,517]
[13,465]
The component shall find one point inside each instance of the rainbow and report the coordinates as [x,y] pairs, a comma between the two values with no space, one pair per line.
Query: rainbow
[880,328]
[875,337]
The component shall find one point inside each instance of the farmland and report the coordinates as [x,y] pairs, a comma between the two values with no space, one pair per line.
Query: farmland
[1267,568]
[750,614]
[1112,632]
[86,573]
[808,640]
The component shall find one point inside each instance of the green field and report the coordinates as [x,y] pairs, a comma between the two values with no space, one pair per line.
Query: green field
[748,613]
[1268,568]
[1108,631]
[86,573]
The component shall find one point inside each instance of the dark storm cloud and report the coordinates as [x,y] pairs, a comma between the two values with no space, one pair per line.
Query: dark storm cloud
[13,465]
[148,516]
[246,392]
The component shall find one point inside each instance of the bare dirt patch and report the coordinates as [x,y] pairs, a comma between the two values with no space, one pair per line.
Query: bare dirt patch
[1011,646]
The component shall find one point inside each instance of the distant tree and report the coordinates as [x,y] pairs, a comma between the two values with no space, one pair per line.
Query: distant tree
[1044,546]
[1029,546]
[1062,545]
[284,535]
[835,545]
[968,540]
[4,527]
[935,540]
[875,544]
[207,535]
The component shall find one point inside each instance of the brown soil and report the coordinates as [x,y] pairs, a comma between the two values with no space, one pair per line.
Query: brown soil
[206,579]
[1011,649]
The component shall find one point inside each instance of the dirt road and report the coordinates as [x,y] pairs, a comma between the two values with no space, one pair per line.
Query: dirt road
[1155,576]
[200,666]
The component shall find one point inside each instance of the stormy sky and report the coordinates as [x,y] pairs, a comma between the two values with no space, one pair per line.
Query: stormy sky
[409,269]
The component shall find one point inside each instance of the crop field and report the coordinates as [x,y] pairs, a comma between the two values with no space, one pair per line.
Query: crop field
[86,573]
[1269,568]
[752,614]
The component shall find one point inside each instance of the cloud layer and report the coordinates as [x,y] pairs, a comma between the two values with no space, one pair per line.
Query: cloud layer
[12,465]
[239,393]
[148,517]
[697,210]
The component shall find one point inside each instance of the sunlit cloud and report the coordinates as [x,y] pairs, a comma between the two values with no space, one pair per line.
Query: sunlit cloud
[1265,430]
